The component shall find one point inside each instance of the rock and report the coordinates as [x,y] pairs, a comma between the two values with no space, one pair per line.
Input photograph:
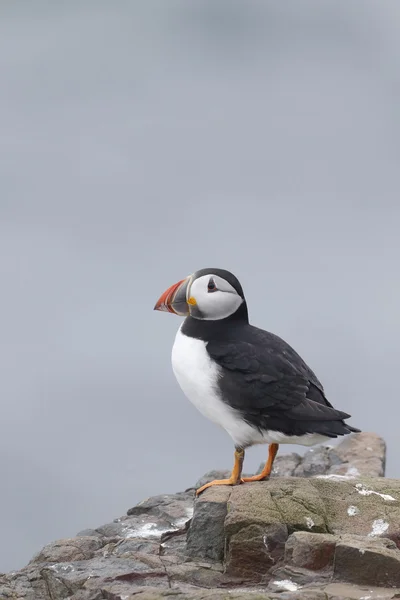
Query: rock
[285,465]
[293,502]
[199,574]
[367,562]
[253,545]
[206,538]
[247,556]
[78,548]
[111,575]
[288,590]
[151,523]
[363,454]
[129,547]
[369,507]
[171,507]
[318,531]
[347,591]
[89,532]
[27,584]
[314,551]
[315,462]
[261,516]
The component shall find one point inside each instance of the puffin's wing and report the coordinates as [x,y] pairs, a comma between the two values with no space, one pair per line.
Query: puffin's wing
[262,375]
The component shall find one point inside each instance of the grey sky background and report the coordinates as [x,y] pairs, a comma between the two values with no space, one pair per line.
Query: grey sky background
[141,141]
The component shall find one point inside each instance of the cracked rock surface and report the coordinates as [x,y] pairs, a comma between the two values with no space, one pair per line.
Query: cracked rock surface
[324,527]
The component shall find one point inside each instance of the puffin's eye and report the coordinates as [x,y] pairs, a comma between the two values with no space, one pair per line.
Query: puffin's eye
[211,287]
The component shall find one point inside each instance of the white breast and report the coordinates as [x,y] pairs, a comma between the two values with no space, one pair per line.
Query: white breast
[198,377]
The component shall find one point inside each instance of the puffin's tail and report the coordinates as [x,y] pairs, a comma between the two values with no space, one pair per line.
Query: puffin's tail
[352,429]
[336,428]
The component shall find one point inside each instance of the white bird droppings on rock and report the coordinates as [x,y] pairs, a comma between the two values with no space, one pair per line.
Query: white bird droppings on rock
[352,511]
[146,530]
[309,522]
[353,472]
[336,477]
[150,529]
[379,527]
[286,584]
[179,523]
[64,568]
[361,489]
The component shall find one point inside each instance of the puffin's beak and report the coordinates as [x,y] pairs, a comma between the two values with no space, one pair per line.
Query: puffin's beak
[173,300]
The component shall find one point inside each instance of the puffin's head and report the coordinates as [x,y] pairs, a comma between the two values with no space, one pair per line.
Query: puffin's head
[208,294]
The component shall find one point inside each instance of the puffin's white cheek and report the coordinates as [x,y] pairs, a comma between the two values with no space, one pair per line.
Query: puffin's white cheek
[219,305]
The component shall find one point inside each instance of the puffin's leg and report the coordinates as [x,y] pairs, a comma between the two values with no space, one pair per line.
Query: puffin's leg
[234,479]
[266,472]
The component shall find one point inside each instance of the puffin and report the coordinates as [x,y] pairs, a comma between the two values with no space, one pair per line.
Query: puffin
[247,380]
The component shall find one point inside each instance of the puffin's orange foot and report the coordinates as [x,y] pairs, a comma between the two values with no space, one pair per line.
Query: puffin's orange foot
[234,479]
[266,472]
[230,481]
[259,477]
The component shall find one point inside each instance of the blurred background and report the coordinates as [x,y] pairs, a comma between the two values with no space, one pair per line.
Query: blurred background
[141,141]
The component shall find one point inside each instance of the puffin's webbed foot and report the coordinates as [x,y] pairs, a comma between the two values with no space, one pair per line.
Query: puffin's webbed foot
[234,479]
[266,472]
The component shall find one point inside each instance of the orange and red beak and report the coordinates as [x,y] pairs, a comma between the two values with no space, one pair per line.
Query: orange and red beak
[174,299]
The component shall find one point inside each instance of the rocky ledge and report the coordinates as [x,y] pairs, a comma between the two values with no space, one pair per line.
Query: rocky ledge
[324,527]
